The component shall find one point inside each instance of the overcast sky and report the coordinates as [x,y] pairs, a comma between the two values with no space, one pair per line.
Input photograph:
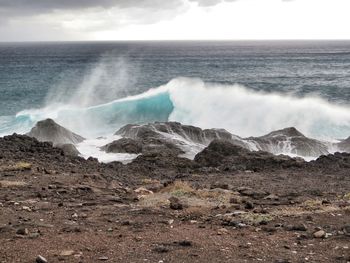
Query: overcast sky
[33,20]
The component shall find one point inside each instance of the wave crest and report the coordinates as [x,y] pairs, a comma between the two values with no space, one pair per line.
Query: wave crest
[191,101]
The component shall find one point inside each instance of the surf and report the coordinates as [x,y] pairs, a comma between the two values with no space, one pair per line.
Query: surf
[236,108]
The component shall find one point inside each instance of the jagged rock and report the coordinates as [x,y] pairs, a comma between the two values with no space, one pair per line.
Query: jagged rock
[174,134]
[289,140]
[332,161]
[68,149]
[227,156]
[49,131]
[344,146]
[124,145]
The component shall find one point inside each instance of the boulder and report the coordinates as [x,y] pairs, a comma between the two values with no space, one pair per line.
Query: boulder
[68,149]
[49,131]
[227,156]
[344,146]
[124,145]
[289,140]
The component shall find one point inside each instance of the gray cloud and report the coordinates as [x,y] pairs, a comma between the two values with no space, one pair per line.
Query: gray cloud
[210,2]
[45,6]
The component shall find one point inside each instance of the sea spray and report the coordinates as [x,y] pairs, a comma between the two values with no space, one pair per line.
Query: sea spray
[191,101]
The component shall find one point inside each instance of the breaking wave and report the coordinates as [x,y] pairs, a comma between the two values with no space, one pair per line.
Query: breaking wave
[191,101]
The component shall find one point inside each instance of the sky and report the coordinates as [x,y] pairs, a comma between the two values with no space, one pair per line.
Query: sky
[69,20]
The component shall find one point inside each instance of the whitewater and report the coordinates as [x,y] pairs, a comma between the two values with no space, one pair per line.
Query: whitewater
[193,102]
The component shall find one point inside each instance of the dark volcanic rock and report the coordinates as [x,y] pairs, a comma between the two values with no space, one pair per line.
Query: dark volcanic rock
[68,149]
[332,161]
[49,131]
[344,146]
[292,140]
[124,145]
[227,156]
[177,130]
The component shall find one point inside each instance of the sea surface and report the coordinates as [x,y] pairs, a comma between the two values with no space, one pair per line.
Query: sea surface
[249,88]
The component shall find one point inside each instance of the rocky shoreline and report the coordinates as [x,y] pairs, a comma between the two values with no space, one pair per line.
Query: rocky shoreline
[228,204]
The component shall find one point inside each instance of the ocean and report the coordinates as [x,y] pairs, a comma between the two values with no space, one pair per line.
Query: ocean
[249,88]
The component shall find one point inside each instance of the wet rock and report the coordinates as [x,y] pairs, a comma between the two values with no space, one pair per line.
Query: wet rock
[124,145]
[227,156]
[175,203]
[49,131]
[68,149]
[300,144]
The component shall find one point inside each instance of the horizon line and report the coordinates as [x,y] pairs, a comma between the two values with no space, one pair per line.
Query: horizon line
[177,40]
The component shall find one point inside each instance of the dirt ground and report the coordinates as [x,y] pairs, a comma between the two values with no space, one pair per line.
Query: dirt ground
[73,210]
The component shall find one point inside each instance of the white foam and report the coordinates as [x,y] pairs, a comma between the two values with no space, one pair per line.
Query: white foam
[91,148]
[249,113]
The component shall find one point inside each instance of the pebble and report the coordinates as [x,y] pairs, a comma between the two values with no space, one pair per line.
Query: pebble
[103,258]
[249,205]
[222,231]
[26,208]
[320,234]
[175,203]
[40,259]
[67,253]
[161,249]
[22,231]
[185,243]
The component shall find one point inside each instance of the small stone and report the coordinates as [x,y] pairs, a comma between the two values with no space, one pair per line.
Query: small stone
[26,208]
[103,258]
[346,230]
[67,253]
[40,259]
[22,231]
[161,249]
[185,243]
[235,200]
[272,197]
[75,215]
[299,227]
[34,235]
[249,205]
[222,231]
[319,234]
[175,203]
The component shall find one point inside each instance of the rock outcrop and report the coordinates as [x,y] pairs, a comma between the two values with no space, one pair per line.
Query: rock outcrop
[124,145]
[227,156]
[168,138]
[177,131]
[289,140]
[68,149]
[49,131]
[344,146]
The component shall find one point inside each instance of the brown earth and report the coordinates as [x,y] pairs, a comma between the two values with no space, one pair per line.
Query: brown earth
[170,209]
